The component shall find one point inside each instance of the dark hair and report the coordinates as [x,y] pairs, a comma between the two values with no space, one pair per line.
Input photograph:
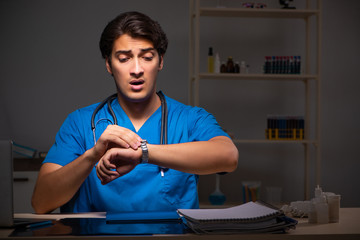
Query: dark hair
[136,25]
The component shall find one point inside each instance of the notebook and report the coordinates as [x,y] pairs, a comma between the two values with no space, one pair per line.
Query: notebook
[6,188]
[248,212]
[249,217]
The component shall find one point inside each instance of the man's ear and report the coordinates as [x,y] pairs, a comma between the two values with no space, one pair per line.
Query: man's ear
[161,62]
[108,66]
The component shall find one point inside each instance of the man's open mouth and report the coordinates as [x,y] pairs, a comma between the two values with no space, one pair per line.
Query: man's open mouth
[137,82]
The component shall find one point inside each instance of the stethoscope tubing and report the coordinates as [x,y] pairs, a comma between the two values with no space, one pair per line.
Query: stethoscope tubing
[164,113]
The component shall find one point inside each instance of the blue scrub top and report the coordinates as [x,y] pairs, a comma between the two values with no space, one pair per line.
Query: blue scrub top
[145,188]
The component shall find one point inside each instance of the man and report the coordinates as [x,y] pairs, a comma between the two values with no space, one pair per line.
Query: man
[114,168]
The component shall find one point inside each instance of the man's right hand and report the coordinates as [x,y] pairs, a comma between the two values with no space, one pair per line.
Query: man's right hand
[115,136]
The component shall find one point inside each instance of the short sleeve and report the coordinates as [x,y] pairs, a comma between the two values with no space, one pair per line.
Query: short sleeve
[69,143]
[204,125]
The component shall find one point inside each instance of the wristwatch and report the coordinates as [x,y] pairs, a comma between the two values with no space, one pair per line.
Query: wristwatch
[145,152]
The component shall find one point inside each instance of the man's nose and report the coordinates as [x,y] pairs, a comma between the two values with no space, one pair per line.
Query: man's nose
[137,69]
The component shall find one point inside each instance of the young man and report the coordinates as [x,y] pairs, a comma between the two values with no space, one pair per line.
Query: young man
[114,168]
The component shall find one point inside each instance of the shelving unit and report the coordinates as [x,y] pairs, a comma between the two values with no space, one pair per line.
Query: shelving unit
[197,12]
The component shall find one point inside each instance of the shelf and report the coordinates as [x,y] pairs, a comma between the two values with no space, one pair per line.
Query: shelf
[257,13]
[312,17]
[273,141]
[241,76]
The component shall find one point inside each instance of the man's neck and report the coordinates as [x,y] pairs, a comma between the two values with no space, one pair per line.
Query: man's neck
[139,112]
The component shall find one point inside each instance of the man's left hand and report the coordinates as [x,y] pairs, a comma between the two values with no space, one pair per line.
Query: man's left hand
[117,162]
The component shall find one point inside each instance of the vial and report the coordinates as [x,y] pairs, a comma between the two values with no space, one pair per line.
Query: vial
[230,65]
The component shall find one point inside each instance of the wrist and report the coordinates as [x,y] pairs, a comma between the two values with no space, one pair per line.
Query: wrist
[92,156]
[145,152]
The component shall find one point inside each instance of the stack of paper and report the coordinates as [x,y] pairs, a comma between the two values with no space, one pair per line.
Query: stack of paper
[248,217]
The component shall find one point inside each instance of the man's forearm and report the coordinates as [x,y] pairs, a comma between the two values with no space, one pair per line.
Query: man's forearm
[219,154]
[57,184]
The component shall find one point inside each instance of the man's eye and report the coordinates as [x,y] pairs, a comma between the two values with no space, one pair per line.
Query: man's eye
[123,59]
[148,58]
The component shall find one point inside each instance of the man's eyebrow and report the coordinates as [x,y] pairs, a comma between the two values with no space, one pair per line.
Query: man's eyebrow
[147,49]
[122,52]
[129,51]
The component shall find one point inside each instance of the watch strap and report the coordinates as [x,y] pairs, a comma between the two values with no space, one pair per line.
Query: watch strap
[145,152]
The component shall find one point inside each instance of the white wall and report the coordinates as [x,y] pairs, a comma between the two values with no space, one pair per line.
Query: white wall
[50,65]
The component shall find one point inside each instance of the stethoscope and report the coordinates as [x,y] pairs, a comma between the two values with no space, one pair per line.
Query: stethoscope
[163,131]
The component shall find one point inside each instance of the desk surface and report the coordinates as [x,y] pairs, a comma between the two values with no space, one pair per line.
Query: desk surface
[347,228]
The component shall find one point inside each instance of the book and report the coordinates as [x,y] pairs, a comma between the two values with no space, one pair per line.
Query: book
[248,217]
[286,127]
[248,212]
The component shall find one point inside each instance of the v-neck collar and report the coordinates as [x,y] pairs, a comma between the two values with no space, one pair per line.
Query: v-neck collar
[124,120]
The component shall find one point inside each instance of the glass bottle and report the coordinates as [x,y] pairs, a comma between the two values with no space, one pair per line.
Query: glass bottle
[230,65]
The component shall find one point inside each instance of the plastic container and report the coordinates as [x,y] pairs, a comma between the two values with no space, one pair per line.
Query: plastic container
[334,207]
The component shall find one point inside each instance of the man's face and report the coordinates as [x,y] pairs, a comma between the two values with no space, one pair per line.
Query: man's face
[135,65]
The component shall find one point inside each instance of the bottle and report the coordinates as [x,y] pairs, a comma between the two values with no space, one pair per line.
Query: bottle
[298,65]
[277,65]
[217,63]
[322,210]
[281,65]
[230,65]
[312,217]
[267,66]
[318,191]
[286,65]
[237,67]
[223,67]
[210,61]
[334,207]
[273,64]
[291,65]
[242,67]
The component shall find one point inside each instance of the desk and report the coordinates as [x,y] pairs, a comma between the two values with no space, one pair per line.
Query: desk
[347,228]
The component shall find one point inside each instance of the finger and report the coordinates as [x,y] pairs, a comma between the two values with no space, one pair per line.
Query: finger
[100,175]
[104,172]
[105,162]
[106,165]
[127,136]
[116,136]
[114,140]
[134,141]
[111,140]
[105,178]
